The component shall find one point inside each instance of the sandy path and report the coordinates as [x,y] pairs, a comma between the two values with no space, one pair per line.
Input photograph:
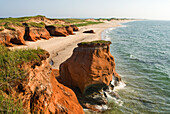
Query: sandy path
[61,48]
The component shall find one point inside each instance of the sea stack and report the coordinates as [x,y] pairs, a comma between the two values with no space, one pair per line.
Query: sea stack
[90,68]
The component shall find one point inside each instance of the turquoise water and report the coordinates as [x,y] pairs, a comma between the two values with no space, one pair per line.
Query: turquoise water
[142,54]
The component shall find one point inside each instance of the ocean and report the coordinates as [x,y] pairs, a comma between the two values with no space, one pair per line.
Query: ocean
[142,55]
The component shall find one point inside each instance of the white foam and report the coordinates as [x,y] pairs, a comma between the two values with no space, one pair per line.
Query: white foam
[120,85]
[101,107]
[113,99]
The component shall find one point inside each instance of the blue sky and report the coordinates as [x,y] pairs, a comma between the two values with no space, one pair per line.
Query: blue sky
[147,9]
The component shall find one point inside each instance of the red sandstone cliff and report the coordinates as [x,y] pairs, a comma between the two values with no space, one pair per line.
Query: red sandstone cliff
[17,32]
[42,93]
[34,34]
[8,37]
[90,67]
[57,31]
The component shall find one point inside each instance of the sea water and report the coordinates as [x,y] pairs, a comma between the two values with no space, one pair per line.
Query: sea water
[142,54]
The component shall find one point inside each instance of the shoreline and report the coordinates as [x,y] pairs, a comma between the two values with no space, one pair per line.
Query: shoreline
[61,48]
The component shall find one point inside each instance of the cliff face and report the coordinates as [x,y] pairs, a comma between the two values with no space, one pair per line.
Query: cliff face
[33,29]
[16,36]
[90,67]
[42,93]
[57,31]
[34,34]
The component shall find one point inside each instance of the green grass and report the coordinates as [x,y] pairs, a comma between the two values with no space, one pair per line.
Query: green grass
[87,23]
[9,61]
[70,20]
[6,25]
[58,25]
[1,29]
[10,72]
[96,41]
[20,19]
[34,24]
[8,105]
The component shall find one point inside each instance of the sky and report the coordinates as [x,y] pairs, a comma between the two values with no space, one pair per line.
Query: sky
[140,9]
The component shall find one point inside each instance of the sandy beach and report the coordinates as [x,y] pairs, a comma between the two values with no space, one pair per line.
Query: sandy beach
[61,48]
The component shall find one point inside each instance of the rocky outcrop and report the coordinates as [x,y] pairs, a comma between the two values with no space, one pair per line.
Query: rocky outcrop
[75,28]
[9,37]
[69,30]
[89,31]
[42,93]
[57,31]
[35,33]
[90,67]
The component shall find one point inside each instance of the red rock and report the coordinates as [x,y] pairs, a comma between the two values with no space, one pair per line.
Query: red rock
[57,31]
[89,31]
[34,34]
[42,93]
[69,30]
[56,72]
[75,28]
[90,67]
[20,37]
[8,37]
[7,40]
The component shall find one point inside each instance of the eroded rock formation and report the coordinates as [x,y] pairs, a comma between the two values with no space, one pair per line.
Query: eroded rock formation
[8,37]
[16,32]
[90,67]
[69,30]
[75,28]
[89,31]
[57,31]
[34,34]
[42,93]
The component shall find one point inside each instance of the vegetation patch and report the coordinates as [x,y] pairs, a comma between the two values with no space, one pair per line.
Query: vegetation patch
[8,105]
[9,61]
[58,25]
[1,29]
[20,19]
[10,72]
[70,20]
[87,23]
[95,42]
[6,25]
[34,24]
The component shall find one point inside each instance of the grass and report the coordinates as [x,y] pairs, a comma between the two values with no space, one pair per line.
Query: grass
[6,25]
[70,20]
[96,41]
[10,72]
[87,23]
[8,105]
[9,61]
[1,29]
[58,25]
[34,24]
[20,19]
[18,22]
